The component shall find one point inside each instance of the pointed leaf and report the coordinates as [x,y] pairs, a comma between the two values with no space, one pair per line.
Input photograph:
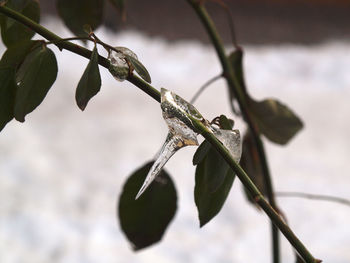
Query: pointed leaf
[15,55]
[236,60]
[216,169]
[275,120]
[9,63]
[213,182]
[278,123]
[201,153]
[7,95]
[251,164]
[140,69]
[90,83]
[13,32]
[34,79]
[145,220]
[225,123]
[78,13]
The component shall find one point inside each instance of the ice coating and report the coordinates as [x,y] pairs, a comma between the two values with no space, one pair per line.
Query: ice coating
[185,106]
[170,146]
[231,139]
[177,127]
[173,106]
[176,112]
[118,65]
[181,132]
[126,51]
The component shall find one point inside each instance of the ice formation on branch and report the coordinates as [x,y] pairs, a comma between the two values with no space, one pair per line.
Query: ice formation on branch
[119,66]
[176,113]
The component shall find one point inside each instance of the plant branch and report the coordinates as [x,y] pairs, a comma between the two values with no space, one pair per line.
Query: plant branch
[229,20]
[255,193]
[67,39]
[203,87]
[154,93]
[235,86]
[79,50]
[329,198]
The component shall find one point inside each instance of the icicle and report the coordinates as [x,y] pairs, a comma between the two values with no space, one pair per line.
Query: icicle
[181,132]
[171,145]
[174,106]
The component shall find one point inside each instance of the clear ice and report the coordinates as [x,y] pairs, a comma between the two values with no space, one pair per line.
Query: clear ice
[231,139]
[171,145]
[176,112]
[181,132]
[118,65]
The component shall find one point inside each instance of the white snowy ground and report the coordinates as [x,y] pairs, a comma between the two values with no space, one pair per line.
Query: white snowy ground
[62,170]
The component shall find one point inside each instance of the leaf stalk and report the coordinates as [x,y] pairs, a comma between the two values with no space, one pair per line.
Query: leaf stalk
[155,94]
[239,94]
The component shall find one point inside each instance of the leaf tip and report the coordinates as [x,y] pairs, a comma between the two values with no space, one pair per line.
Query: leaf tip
[20,118]
[81,105]
[148,78]
[203,222]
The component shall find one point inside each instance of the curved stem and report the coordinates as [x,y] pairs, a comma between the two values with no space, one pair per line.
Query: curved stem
[79,50]
[144,86]
[203,87]
[234,85]
[318,197]
[155,94]
[229,21]
[255,193]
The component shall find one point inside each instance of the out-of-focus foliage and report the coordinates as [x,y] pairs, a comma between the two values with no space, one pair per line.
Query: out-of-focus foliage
[145,220]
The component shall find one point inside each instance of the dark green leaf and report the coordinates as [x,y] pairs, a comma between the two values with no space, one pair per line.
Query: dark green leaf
[275,120]
[236,60]
[278,123]
[214,179]
[145,220]
[7,95]
[34,79]
[225,123]
[9,63]
[201,153]
[13,32]
[251,164]
[78,13]
[90,83]
[14,55]
[140,69]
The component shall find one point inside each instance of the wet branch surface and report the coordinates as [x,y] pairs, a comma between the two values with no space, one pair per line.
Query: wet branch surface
[234,85]
[155,94]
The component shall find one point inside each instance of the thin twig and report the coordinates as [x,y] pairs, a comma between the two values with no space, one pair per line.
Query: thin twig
[230,21]
[255,193]
[154,93]
[58,41]
[203,87]
[240,96]
[318,197]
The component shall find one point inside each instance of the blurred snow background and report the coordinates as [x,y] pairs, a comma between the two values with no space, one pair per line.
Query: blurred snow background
[61,172]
